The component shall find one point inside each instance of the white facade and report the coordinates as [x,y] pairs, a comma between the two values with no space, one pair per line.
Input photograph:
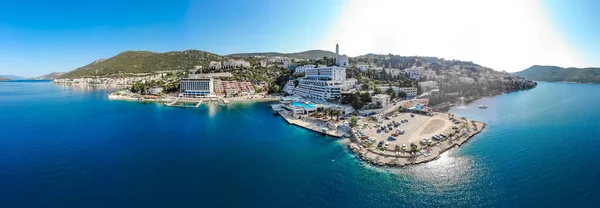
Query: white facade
[362,67]
[264,63]
[215,64]
[323,83]
[155,90]
[349,84]
[289,87]
[340,60]
[393,72]
[192,87]
[410,91]
[236,63]
[428,85]
[301,69]
[381,98]
[428,74]
[333,73]
[286,63]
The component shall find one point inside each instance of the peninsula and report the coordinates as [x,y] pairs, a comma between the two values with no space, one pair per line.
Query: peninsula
[560,74]
[390,107]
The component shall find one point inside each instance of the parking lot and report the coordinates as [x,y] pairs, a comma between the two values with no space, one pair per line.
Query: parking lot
[414,127]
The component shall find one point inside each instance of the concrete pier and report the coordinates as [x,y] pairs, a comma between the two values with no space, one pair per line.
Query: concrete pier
[310,126]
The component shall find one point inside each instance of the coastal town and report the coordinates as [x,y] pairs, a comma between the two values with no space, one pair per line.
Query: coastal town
[390,109]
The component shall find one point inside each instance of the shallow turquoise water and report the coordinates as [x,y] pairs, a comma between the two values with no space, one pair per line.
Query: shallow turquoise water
[71,147]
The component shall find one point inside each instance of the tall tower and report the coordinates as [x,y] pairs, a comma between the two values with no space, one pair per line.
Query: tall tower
[337,49]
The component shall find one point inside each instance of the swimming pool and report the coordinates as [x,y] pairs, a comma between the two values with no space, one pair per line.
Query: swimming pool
[419,107]
[300,104]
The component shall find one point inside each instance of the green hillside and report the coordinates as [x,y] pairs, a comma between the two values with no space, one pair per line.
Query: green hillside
[145,62]
[312,54]
[559,74]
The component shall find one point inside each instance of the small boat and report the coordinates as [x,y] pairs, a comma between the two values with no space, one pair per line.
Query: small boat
[222,104]
[483,106]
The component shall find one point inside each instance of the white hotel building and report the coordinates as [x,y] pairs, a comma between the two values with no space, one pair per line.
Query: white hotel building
[410,91]
[196,87]
[322,83]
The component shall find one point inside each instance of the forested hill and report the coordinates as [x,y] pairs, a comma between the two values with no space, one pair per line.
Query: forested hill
[560,74]
[312,54]
[145,62]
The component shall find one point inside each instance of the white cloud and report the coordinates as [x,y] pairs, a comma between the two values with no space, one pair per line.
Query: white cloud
[506,35]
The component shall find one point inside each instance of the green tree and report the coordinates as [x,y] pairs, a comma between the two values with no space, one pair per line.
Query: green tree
[356,103]
[365,86]
[365,97]
[414,148]
[372,84]
[327,112]
[402,94]
[274,88]
[390,91]
[353,121]
[378,90]
[337,114]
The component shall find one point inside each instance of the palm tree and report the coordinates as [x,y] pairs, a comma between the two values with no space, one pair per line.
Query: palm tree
[337,114]
[332,113]
[326,111]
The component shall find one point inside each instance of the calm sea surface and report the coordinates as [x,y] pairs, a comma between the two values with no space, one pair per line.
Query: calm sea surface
[71,147]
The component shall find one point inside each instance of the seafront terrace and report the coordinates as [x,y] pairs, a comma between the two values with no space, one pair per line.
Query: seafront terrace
[419,132]
[317,125]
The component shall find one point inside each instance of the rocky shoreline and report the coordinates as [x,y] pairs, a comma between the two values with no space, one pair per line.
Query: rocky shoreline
[445,106]
[383,160]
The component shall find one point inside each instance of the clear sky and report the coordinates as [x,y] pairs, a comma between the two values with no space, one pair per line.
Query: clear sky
[38,37]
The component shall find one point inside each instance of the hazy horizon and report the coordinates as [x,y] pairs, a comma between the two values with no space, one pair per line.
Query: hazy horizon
[38,38]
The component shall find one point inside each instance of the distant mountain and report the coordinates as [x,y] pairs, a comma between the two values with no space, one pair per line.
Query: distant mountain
[559,74]
[312,54]
[50,76]
[13,77]
[144,62]
[4,79]
[372,55]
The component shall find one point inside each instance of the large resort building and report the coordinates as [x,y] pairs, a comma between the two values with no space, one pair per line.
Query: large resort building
[196,87]
[322,82]
[209,85]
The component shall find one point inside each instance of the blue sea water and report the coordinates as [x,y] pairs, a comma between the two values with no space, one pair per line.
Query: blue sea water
[72,147]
